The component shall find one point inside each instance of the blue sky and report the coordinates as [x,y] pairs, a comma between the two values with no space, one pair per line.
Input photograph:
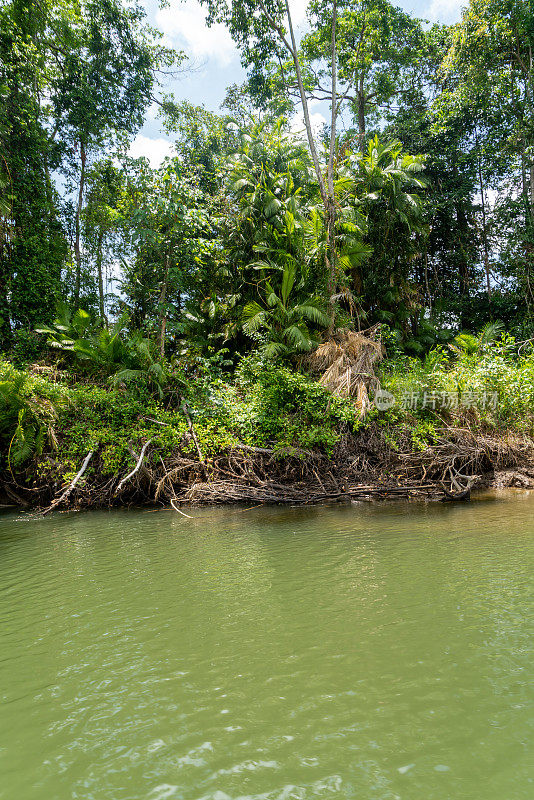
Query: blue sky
[216,60]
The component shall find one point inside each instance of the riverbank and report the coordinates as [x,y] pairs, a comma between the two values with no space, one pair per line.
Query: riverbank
[265,434]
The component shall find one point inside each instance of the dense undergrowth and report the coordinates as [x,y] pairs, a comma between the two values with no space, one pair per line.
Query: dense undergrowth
[50,418]
[262,406]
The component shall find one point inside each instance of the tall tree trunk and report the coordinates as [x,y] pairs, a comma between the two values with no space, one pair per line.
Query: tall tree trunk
[327,193]
[484,224]
[528,104]
[463,257]
[427,287]
[79,206]
[304,100]
[101,309]
[331,206]
[291,47]
[524,185]
[162,312]
[49,191]
[529,261]
[333,107]
[361,111]
[527,175]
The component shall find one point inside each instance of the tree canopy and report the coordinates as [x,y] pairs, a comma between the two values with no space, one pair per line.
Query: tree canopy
[412,207]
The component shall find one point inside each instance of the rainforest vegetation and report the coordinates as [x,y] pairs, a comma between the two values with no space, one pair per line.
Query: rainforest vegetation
[224,321]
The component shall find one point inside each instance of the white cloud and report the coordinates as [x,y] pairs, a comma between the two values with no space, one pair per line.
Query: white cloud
[317,121]
[153,149]
[445,11]
[184,26]
[298,10]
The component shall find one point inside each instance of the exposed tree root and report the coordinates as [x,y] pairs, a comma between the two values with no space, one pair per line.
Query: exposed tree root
[363,467]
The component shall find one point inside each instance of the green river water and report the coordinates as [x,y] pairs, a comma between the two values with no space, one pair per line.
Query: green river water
[368,652]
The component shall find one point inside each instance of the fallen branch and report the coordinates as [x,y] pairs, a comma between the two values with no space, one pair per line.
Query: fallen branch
[362,468]
[72,484]
[17,498]
[179,510]
[135,469]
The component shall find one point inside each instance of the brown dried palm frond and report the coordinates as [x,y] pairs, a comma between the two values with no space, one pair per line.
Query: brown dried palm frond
[346,363]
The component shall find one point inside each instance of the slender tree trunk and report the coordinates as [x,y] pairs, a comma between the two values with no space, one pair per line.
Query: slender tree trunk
[361,112]
[49,193]
[528,104]
[305,109]
[463,258]
[331,206]
[77,250]
[291,47]
[529,260]
[101,309]
[528,197]
[333,117]
[524,185]
[162,303]
[484,225]
[427,287]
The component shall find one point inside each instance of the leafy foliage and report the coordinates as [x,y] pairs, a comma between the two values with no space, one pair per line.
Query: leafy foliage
[208,276]
[100,351]
[26,418]
[286,322]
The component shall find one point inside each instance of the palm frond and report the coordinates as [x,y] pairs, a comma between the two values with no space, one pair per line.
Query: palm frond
[299,337]
[314,312]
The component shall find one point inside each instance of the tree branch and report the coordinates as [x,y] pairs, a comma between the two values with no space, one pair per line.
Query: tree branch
[135,469]
[72,484]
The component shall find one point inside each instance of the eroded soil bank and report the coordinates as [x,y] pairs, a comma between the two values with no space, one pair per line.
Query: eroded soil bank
[364,466]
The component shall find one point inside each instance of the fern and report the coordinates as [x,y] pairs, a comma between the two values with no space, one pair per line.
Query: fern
[26,418]
[23,443]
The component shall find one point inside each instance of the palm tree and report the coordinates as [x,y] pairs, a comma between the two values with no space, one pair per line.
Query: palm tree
[384,186]
[468,344]
[285,322]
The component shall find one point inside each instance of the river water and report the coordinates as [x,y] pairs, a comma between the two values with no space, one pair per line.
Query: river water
[369,652]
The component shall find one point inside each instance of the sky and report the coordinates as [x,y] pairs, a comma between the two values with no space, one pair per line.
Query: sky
[216,64]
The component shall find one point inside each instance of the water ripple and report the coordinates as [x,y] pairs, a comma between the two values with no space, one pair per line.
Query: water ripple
[377,652]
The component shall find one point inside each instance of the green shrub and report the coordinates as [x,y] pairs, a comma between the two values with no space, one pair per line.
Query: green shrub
[27,348]
[27,415]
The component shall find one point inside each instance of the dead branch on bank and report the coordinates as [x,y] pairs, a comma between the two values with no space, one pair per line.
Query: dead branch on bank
[135,469]
[179,510]
[462,453]
[192,431]
[71,485]
[363,467]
